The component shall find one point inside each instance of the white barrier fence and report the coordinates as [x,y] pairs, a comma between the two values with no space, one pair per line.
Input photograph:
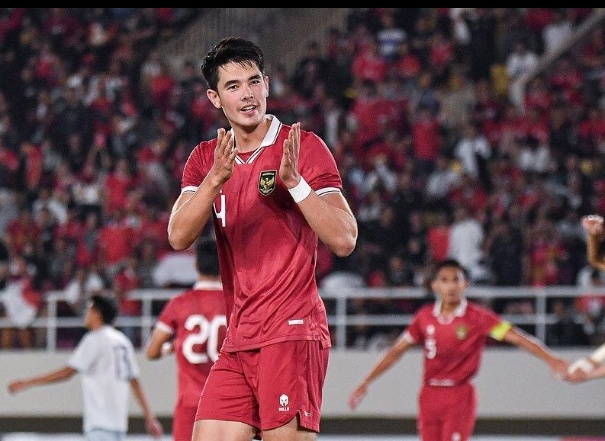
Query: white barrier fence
[337,301]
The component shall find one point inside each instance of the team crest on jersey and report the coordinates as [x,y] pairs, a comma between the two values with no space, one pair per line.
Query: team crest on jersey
[461,332]
[266,182]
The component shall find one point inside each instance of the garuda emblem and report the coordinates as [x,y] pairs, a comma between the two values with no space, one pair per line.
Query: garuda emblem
[266,182]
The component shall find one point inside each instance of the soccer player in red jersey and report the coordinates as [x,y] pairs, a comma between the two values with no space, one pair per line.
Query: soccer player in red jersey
[453,333]
[192,325]
[272,192]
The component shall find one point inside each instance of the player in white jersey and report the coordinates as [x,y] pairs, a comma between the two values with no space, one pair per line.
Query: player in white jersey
[593,365]
[106,360]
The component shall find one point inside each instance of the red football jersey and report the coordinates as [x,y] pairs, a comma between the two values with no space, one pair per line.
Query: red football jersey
[198,322]
[453,347]
[267,250]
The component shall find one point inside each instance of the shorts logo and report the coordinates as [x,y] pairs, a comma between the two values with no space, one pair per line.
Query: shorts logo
[283,403]
[461,332]
[266,182]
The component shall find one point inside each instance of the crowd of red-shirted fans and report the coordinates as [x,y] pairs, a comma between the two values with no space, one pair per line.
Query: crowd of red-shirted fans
[437,158]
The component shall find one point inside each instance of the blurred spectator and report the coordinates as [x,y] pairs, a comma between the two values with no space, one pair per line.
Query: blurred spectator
[592,60]
[53,201]
[399,273]
[566,331]
[118,183]
[441,57]
[147,260]
[23,302]
[73,119]
[521,61]
[175,269]
[115,242]
[545,253]
[458,100]
[473,151]
[406,66]
[440,182]
[504,251]
[407,197]
[533,156]
[390,35]
[309,70]
[85,283]
[466,243]
[369,65]
[481,24]
[22,230]
[427,141]
[125,281]
[558,30]
[438,237]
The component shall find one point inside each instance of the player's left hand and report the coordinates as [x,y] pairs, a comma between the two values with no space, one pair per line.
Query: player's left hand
[288,169]
[559,367]
[578,370]
[154,427]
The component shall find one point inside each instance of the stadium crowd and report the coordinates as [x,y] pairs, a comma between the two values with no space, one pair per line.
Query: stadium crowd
[437,158]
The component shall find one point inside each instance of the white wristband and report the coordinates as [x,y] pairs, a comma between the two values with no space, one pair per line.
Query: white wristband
[300,191]
[166,348]
[598,356]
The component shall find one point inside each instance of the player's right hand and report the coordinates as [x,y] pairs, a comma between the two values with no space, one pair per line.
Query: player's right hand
[154,428]
[593,224]
[357,396]
[224,155]
[16,386]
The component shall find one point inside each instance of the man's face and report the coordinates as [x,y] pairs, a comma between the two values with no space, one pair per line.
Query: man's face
[449,285]
[242,94]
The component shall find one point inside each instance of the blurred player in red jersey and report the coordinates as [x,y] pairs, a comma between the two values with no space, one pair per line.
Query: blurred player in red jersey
[192,325]
[272,192]
[453,332]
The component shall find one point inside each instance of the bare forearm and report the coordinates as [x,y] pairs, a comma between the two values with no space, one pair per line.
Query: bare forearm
[332,221]
[141,398]
[594,257]
[389,359]
[382,366]
[190,214]
[62,374]
[531,344]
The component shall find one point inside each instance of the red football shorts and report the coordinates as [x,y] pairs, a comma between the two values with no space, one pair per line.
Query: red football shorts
[447,412]
[182,422]
[267,387]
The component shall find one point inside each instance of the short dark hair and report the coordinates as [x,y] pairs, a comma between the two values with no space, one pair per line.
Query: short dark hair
[231,49]
[206,257]
[449,263]
[106,306]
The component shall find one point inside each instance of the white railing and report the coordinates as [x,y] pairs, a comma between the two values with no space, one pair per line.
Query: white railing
[337,300]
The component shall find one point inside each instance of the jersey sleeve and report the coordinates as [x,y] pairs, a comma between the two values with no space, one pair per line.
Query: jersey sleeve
[318,166]
[167,320]
[499,331]
[413,332]
[85,354]
[197,166]
[494,325]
